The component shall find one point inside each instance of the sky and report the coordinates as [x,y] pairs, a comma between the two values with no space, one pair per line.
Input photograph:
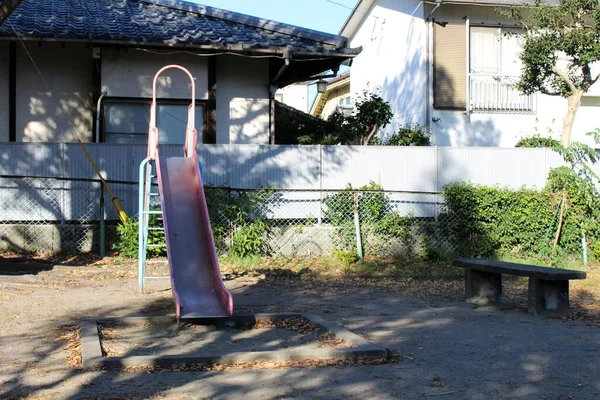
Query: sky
[321,15]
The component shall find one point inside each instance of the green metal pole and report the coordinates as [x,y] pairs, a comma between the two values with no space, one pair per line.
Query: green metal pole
[102,224]
[359,248]
[551,225]
[583,246]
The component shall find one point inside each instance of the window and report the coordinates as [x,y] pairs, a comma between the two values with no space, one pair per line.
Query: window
[449,66]
[495,65]
[345,102]
[126,121]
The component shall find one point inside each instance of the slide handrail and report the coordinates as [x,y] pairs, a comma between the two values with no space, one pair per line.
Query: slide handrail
[191,135]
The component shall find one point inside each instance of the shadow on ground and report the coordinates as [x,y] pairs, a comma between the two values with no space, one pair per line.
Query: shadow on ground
[446,348]
[22,266]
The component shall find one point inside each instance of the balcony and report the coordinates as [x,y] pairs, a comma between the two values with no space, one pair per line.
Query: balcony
[493,94]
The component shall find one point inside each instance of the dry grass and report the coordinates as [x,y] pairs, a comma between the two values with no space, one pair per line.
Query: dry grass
[108,334]
[71,335]
[300,325]
[264,365]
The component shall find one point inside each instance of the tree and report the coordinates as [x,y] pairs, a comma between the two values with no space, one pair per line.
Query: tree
[371,113]
[560,44]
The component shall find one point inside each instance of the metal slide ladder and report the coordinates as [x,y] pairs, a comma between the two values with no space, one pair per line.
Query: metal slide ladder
[146,194]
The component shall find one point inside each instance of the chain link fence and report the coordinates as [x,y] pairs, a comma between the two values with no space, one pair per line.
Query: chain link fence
[296,223]
[49,215]
[62,215]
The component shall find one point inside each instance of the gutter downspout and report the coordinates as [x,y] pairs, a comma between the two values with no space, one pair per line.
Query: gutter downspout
[429,65]
[287,56]
[468,60]
[98,109]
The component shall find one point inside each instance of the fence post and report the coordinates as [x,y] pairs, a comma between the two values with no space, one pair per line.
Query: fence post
[359,248]
[320,184]
[102,224]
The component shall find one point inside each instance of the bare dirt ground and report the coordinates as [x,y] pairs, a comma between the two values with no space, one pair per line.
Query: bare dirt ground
[441,347]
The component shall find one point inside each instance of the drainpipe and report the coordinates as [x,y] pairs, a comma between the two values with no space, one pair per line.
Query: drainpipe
[468,60]
[429,64]
[438,3]
[287,56]
[104,93]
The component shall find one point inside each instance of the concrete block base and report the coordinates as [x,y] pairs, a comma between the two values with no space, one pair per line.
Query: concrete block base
[548,297]
[483,287]
[355,346]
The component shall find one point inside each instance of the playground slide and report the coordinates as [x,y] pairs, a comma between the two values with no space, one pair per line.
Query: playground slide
[195,276]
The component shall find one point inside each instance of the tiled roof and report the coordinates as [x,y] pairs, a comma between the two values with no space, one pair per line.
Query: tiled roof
[339,78]
[170,23]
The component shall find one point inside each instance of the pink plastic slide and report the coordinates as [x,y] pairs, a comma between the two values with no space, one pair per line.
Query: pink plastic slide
[195,275]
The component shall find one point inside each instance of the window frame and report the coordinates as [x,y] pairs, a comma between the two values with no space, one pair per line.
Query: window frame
[148,102]
[500,76]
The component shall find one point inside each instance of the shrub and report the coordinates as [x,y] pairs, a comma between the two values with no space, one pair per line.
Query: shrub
[347,258]
[373,207]
[128,238]
[537,141]
[483,221]
[237,220]
[250,239]
[582,207]
[383,230]
[373,204]
[408,135]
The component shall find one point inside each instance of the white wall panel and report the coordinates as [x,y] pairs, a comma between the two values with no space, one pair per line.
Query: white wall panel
[129,73]
[414,173]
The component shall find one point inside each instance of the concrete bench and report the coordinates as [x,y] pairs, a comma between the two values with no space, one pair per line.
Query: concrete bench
[548,287]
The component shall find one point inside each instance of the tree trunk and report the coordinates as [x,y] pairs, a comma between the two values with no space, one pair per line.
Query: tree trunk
[574,102]
[369,137]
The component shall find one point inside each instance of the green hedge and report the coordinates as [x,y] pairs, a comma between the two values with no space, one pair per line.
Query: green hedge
[485,221]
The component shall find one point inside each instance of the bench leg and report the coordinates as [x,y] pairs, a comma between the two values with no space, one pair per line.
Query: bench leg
[548,297]
[483,287]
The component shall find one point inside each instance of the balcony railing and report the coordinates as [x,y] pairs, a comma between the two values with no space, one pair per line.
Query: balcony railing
[493,93]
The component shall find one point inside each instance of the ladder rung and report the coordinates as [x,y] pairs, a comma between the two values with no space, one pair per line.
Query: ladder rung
[154,194]
[156,229]
[156,277]
[152,212]
[156,245]
[157,261]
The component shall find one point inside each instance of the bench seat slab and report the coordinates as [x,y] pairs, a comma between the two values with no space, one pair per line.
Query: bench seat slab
[483,287]
[548,297]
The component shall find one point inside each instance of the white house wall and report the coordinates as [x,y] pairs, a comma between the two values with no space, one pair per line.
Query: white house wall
[243,111]
[129,73]
[504,129]
[54,104]
[333,101]
[4,89]
[53,99]
[295,96]
[393,37]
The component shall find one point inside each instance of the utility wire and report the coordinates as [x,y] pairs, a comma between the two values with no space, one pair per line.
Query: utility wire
[31,58]
[354,9]
[39,71]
